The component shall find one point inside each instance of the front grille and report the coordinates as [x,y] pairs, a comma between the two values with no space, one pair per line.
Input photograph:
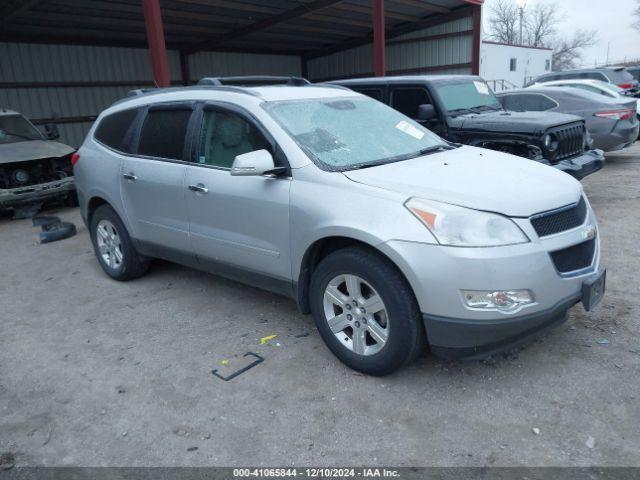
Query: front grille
[34,172]
[570,140]
[574,258]
[559,221]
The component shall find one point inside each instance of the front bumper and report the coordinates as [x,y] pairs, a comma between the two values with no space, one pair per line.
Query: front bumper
[579,167]
[452,338]
[36,193]
[439,274]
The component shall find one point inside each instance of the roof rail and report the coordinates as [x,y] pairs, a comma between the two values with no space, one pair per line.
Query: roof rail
[255,81]
[139,91]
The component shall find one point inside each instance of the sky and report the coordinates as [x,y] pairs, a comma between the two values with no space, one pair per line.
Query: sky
[611,19]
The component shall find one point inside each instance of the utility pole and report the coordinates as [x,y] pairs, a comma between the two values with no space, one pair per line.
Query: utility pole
[521,4]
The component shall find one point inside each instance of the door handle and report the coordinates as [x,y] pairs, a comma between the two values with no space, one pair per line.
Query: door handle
[130,176]
[199,188]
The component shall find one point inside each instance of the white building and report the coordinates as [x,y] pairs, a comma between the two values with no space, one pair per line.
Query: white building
[511,66]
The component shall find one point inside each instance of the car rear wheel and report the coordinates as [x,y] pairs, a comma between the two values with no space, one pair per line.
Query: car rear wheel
[366,312]
[113,247]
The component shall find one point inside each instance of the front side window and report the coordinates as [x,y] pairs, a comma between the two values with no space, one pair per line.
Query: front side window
[467,97]
[352,132]
[163,133]
[224,136]
[512,65]
[16,128]
[407,100]
[113,129]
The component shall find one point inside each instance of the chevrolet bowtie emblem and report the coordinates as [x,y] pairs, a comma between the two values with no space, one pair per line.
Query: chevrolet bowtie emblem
[589,233]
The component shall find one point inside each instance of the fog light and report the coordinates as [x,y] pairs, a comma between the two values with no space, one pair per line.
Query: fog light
[504,300]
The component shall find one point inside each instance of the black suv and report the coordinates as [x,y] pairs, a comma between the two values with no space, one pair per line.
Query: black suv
[463,109]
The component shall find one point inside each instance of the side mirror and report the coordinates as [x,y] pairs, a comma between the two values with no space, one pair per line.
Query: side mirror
[51,131]
[253,164]
[426,112]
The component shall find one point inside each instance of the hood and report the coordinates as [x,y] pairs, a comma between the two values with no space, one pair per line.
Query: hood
[32,150]
[512,122]
[476,178]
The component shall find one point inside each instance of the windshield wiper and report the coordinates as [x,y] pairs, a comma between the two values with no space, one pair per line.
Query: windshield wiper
[461,111]
[476,109]
[399,158]
[435,149]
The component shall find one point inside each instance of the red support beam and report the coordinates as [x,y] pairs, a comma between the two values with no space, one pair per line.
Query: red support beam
[157,47]
[476,35]
[379,49]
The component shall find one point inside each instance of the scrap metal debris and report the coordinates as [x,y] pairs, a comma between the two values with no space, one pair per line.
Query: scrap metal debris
[258,359]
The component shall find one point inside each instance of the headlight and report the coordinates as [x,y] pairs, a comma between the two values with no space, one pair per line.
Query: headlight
[550,142]
[464,227]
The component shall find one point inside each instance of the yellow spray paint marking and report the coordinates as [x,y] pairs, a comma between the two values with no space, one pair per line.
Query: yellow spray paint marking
[266,339]
[224,362]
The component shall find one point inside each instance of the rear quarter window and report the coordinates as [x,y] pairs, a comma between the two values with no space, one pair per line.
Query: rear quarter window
[113,129]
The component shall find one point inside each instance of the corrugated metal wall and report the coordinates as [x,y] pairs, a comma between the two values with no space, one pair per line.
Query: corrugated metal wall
[130,67]
[21,63]
[207,64]
[405,57]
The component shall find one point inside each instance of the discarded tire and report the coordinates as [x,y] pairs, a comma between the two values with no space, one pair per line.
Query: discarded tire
[53,229]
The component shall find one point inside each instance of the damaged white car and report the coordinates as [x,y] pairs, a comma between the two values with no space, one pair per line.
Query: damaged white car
[33,167]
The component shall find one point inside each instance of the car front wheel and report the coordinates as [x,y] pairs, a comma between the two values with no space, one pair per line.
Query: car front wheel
[365,311]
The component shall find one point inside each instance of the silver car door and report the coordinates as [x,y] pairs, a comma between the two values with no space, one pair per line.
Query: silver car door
[238,222]
[153,179]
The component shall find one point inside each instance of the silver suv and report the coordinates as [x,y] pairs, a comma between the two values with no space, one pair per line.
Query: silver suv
[390,236]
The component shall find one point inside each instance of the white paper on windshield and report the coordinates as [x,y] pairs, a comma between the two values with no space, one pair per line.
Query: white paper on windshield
[409,129]
[481,87]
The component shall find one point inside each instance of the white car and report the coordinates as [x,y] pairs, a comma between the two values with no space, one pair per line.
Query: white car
[388,234]
[596,86]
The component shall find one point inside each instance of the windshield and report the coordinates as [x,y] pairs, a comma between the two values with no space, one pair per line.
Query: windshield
[354,132]
[16,128]
[469,97]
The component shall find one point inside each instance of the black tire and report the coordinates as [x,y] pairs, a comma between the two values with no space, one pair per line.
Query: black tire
[133,264]
[406,337]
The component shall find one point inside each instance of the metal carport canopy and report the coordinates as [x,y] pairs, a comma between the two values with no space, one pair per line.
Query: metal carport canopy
[306,28]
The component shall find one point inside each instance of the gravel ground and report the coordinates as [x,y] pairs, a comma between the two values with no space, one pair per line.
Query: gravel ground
[95,372]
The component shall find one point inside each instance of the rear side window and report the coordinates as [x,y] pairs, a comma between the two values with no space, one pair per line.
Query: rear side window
[407,100]
[594,76]
[113,129]
[163,133]
[527,103]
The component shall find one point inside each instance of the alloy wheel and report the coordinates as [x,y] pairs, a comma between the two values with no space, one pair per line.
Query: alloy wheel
[356,314]
[109,244]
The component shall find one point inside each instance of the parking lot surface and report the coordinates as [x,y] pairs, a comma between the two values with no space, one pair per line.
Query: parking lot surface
[94,372]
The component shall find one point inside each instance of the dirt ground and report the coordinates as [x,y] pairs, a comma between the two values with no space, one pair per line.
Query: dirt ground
[95,372]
